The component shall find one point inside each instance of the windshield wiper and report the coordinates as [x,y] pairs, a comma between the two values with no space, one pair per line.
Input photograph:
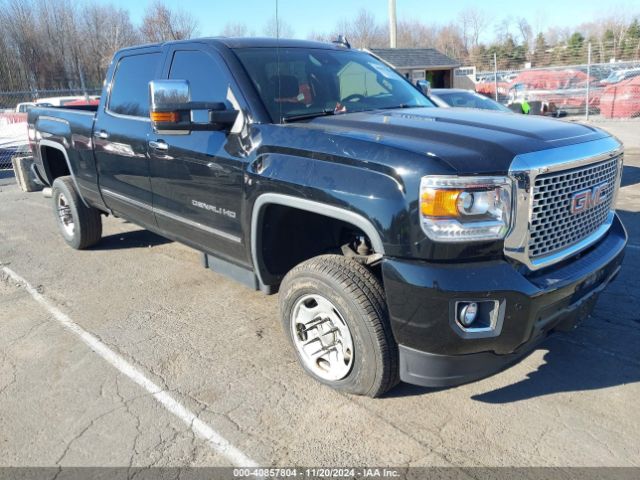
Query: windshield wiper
[305,116]
[402,105]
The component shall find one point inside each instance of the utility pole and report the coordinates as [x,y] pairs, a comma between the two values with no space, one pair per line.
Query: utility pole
[586,102]
[495,74]
[82,85]
[393,24]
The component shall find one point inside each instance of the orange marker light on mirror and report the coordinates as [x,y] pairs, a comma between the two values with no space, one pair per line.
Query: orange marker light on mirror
[165,117]
[439,202]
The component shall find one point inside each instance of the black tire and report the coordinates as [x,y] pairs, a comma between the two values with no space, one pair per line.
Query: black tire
[358,296]
[87,221]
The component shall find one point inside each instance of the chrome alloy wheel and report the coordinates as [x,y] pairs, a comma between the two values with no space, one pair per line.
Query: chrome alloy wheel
[64,213]
[322,337]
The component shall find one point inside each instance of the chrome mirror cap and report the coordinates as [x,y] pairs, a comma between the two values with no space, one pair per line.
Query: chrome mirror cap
[166,94]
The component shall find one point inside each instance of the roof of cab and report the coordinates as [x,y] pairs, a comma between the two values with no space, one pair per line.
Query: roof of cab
[248,42]
[257,42]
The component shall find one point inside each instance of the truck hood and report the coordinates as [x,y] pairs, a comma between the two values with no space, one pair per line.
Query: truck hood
[467,140]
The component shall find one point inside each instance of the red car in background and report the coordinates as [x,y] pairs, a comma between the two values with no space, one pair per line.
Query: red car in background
[621,100]
[487,87]
[83,102]
[557,89]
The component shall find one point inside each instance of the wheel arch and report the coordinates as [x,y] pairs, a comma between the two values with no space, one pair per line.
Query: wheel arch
[50,172]
[265,200]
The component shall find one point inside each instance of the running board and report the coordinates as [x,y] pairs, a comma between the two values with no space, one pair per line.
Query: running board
[240,274]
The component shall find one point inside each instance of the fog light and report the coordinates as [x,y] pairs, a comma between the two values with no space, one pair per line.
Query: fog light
[467,313]
[477,318]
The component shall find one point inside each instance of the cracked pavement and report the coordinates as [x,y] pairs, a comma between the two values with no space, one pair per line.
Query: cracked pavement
[219,349]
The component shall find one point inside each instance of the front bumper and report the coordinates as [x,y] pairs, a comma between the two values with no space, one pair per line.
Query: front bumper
[420,295]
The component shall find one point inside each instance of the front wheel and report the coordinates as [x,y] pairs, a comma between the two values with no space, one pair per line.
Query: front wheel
[80,226]
[335,315]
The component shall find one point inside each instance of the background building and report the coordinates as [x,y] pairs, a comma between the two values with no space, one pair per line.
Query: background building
[421,64]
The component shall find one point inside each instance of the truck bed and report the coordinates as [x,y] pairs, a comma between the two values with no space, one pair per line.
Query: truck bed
[65,141]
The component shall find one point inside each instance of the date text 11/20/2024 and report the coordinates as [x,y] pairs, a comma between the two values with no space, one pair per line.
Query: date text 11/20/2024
[361,472]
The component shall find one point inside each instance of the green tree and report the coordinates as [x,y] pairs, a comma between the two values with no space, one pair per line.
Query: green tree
[609,44]
[510,54]
[540,56]
[631,46]
[575,52]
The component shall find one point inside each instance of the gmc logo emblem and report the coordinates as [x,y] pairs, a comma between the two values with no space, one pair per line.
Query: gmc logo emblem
[587,199]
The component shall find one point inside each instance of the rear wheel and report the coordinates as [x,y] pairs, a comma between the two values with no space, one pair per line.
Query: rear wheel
[335,315]
[80,226]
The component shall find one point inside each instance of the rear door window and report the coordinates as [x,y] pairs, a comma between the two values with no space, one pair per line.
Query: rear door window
[130,86]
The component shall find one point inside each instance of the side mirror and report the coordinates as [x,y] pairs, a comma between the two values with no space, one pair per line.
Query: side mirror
[424,86]
[172,111]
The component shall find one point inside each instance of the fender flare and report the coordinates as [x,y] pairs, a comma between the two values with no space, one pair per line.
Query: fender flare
[60,148]
[331,211]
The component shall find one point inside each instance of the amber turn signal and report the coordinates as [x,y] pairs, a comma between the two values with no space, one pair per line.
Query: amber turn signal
[439,202]
[165,117]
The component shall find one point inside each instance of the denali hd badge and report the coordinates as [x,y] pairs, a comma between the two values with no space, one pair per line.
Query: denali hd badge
[587,199]
[214,209]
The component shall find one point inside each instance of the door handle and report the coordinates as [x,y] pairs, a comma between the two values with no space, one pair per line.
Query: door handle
[159,145]
[101,134]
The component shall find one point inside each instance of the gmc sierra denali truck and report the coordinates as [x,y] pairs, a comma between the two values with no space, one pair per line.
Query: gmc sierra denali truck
[407,242]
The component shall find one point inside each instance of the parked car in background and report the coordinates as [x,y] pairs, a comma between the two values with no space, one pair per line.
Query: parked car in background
[597,72]
[458,97]
[487,87]
[556,90]
[621,75]
[83,102]
[23,107]
[62,101]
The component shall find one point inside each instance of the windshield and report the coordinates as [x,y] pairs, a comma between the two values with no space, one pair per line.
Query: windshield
[297,83]
[470,100]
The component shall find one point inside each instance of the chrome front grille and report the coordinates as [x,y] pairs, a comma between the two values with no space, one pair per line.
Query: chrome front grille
[553,225]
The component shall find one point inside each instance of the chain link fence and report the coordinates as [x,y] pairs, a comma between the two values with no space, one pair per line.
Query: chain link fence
[609,90]
[56,97]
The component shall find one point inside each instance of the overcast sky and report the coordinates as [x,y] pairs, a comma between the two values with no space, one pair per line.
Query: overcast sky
[322,15]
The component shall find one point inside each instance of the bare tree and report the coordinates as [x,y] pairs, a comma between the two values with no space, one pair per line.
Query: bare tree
[617,24]
[235,30]
[17,45]
[160,23]
[363,31]
[473,22]
[105,29]
[22,31]
[58,25]
[502,29]
[450,41]
[526,34]
[278,28]
[415,34]
[320,37]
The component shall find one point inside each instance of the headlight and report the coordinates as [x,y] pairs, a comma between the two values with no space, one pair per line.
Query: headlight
[465,209]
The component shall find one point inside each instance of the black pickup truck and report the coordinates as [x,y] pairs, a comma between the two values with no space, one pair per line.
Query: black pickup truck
[407,242]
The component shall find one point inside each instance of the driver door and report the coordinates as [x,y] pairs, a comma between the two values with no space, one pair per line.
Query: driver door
[197,178]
